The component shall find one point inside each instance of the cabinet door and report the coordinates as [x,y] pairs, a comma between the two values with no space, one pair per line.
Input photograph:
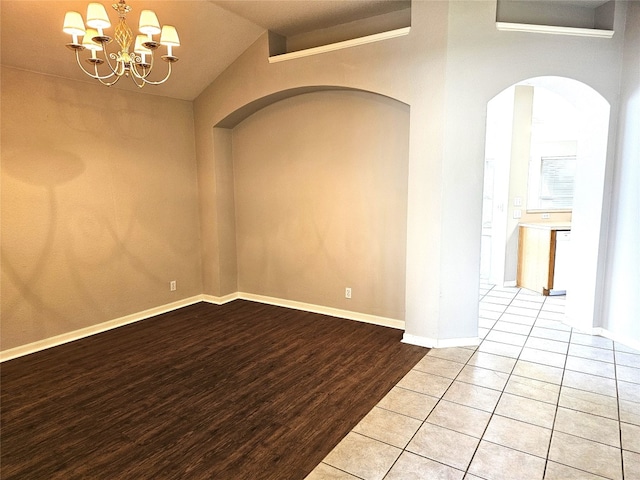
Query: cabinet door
[535,270]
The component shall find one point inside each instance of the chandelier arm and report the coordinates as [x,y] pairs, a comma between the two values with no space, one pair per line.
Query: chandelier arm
[139,85]
[145,71]
[108,84]
[118,67]
[135,76]
[151,62]
[160,81]
[134,70]
[97,76]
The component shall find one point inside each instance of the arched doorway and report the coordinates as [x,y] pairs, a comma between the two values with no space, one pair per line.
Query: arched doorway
[576,119]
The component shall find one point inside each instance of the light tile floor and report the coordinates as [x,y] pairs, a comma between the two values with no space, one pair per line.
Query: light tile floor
[535,400]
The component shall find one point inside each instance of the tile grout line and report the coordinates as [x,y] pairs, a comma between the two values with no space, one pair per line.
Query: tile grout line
[552,429]
[404,449]
[435,406]
[441,397]
[344,471]
[553,424]
[501,392]
[615,373]
[568,343]
[539,308]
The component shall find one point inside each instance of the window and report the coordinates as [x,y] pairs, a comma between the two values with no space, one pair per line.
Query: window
[556,182]
[555,126]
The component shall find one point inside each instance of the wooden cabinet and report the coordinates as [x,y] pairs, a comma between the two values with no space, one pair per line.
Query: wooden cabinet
[537,256]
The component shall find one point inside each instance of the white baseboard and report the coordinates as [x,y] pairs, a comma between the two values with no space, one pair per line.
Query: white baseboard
[332,312]
[135,317]
[509,283]
[94,329]
[220,300]
[439,343]
[603,332]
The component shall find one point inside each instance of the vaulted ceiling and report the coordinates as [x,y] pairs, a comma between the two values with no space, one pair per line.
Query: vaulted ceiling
[213,33]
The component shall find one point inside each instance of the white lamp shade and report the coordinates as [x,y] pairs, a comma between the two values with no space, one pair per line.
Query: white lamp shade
[149,23]
[87,41]
[169,36]
[97,16]
[73,24]
[139,48]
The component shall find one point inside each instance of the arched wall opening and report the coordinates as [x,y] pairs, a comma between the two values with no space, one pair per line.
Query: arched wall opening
[590,111]
[310,199]
[429,70]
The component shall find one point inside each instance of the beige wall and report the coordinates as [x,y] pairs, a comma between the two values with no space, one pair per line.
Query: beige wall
[409,69]
[320,197]
[100,235]
[447,69]
[99,205]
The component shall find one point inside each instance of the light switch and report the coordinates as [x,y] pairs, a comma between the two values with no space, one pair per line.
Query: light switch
[517,202]
[517,213]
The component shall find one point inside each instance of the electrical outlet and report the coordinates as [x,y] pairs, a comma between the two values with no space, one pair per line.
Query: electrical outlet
[517,213]
[172,285]
[545,216]
[347,292]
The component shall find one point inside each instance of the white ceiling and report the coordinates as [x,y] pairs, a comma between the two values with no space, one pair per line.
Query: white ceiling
[212,33]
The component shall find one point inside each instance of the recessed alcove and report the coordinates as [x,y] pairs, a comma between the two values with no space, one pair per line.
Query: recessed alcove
[589,18]
[358,32]
[311,189]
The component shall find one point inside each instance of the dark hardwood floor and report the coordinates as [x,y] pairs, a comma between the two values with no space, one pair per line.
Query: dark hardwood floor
[239,391]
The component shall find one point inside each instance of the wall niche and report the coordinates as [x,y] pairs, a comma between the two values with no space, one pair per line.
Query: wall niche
[592,18]
[391,24]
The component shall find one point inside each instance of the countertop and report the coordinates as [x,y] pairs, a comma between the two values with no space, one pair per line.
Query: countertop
[548,225]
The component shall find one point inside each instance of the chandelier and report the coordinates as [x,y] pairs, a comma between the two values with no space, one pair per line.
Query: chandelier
[136,64]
